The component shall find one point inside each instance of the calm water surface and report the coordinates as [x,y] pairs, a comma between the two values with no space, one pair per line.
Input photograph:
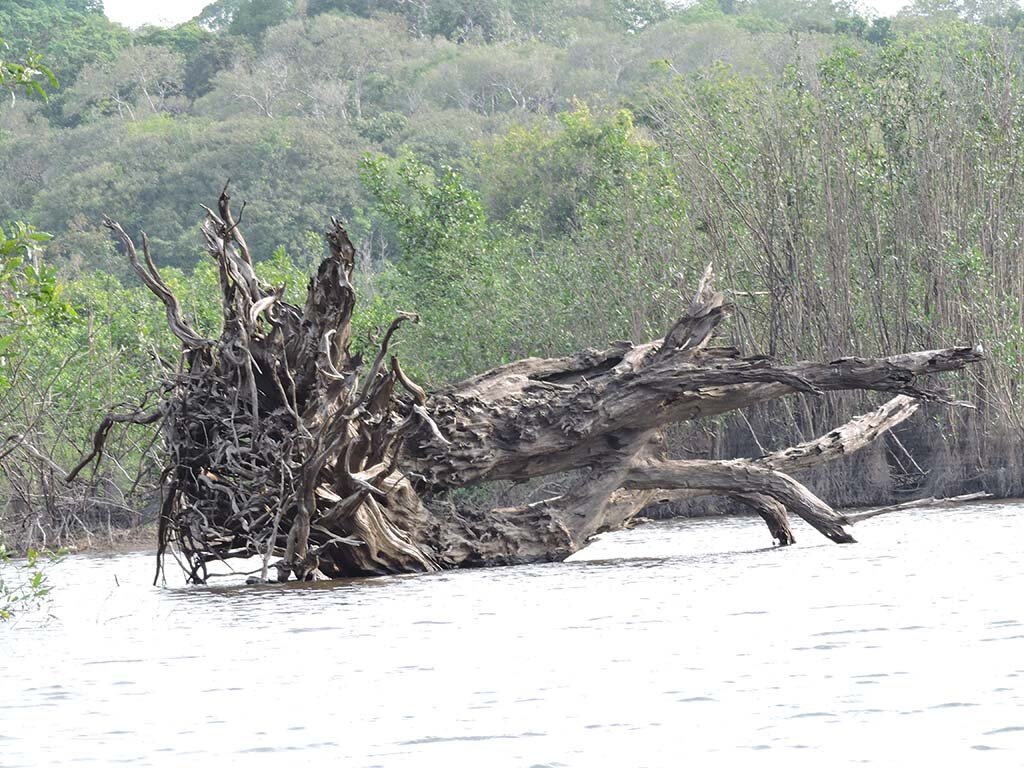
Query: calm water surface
[686,641]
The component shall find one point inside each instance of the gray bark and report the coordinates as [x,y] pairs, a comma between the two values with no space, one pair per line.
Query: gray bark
[281,444]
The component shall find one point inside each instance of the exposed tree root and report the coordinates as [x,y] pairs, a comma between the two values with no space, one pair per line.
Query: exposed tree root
[284,445]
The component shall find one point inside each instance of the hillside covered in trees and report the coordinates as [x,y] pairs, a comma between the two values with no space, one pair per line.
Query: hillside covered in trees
[531,178]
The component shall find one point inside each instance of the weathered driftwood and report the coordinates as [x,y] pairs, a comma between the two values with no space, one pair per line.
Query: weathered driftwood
[932,501]
[841,441]
[283,444]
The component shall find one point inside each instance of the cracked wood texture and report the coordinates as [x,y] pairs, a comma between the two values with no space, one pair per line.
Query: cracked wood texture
[284,446]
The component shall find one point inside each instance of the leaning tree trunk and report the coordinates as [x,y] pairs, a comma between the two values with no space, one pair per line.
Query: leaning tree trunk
[284,445]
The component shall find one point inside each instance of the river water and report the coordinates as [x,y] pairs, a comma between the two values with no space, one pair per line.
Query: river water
[680,641]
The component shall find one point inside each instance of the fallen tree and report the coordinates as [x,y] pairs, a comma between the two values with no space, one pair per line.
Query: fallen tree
[285,445]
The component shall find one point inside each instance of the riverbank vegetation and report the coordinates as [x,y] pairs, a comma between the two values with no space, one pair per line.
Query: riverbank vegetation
[531,178]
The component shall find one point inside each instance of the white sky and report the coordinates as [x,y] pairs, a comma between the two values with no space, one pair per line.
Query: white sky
[134,13]
[166,13]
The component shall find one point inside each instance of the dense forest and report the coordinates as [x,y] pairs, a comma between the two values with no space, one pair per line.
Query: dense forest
[531,178]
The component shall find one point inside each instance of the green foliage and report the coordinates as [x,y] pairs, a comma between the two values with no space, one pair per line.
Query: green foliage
[70,36]
[188,39]
[504,20]
[439,221]
[23,585]
[635,15]
[557,171]
[217,16]
[31,292]
[254,17]
[30,75]
[150,173]
[576,207]
[142,81]
[441,231]
[704,11]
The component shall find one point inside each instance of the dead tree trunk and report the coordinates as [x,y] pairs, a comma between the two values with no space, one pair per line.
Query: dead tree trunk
[284,445]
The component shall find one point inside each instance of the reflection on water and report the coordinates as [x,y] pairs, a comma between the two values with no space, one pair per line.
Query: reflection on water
[677,641]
